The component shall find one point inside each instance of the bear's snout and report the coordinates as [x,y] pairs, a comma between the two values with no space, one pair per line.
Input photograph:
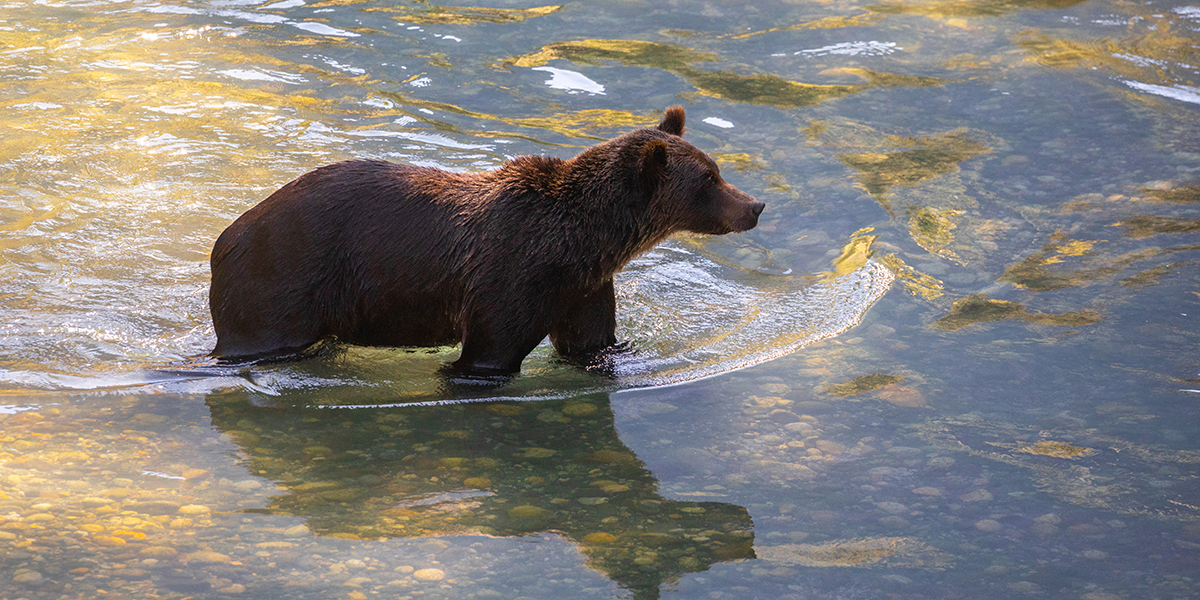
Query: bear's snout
[746,209]
[750,219]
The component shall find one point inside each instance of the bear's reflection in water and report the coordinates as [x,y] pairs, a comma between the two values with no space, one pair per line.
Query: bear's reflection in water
[497,469]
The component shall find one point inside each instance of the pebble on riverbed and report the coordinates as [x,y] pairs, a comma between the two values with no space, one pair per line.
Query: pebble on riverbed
[429,575]
[988,525]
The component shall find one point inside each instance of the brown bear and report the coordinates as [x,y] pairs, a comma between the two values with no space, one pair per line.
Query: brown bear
[381,254]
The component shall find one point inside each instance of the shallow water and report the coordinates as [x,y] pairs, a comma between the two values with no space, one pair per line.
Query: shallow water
[956,359]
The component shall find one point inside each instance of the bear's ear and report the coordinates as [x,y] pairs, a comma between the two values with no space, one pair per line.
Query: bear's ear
[672,122]
[654,161]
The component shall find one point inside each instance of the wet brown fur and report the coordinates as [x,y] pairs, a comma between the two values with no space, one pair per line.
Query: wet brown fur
[377,253]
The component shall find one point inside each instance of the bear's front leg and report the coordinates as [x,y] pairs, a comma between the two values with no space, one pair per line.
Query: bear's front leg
[496,343]
[588,328]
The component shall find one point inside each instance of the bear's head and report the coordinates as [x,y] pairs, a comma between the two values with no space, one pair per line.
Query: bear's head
[685,185]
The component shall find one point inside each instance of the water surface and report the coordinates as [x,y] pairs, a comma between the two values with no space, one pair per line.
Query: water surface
[957,357]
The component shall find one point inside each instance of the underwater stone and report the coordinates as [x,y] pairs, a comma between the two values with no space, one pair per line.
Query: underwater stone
[153,552]
[1027,587]
[783,416]
[988,525]
[798,427]
[155,507]
[529,512]
[205,558]
[430,575]
[27,577]
[976,496]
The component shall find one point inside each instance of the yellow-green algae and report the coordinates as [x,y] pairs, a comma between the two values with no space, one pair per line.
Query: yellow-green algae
[855,253]
[918,283]
[933,230]
[1064,262]
[1155,45]
[759,88]
[888,79]
[1150,277]
[1149,225]
[814,131]
[1032,274]
[764,89]
[929,157]
[860,20]
[1057,450]
[1188,194]
[1160,42]
[740,161]
[910,177]
[863,384]
[981,309]
[421,12]
[627,52]
[969,8]
[594,123]
[978,309]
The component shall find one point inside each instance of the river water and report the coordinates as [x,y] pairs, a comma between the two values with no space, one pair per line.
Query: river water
[956,359]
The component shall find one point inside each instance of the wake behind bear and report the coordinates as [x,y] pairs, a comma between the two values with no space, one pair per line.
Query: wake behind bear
[380,254]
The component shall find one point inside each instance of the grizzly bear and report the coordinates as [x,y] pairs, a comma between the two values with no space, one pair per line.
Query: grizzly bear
[380,254]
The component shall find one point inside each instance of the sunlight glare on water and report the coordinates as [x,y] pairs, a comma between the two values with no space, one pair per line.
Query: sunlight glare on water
[190,148]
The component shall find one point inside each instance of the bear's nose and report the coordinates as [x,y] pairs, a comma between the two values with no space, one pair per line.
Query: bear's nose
[757,208]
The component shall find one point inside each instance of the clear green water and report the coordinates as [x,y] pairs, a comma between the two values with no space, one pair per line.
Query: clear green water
[957,358]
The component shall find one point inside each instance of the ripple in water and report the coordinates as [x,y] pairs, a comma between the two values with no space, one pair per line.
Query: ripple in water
[685,315]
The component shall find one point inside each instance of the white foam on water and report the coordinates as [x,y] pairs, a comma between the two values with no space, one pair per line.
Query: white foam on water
[571,81]
[1183,93]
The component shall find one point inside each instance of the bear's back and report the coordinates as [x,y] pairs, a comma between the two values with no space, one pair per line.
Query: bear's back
[355,245]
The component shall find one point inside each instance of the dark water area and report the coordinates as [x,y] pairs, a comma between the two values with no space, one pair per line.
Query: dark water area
[956,359]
